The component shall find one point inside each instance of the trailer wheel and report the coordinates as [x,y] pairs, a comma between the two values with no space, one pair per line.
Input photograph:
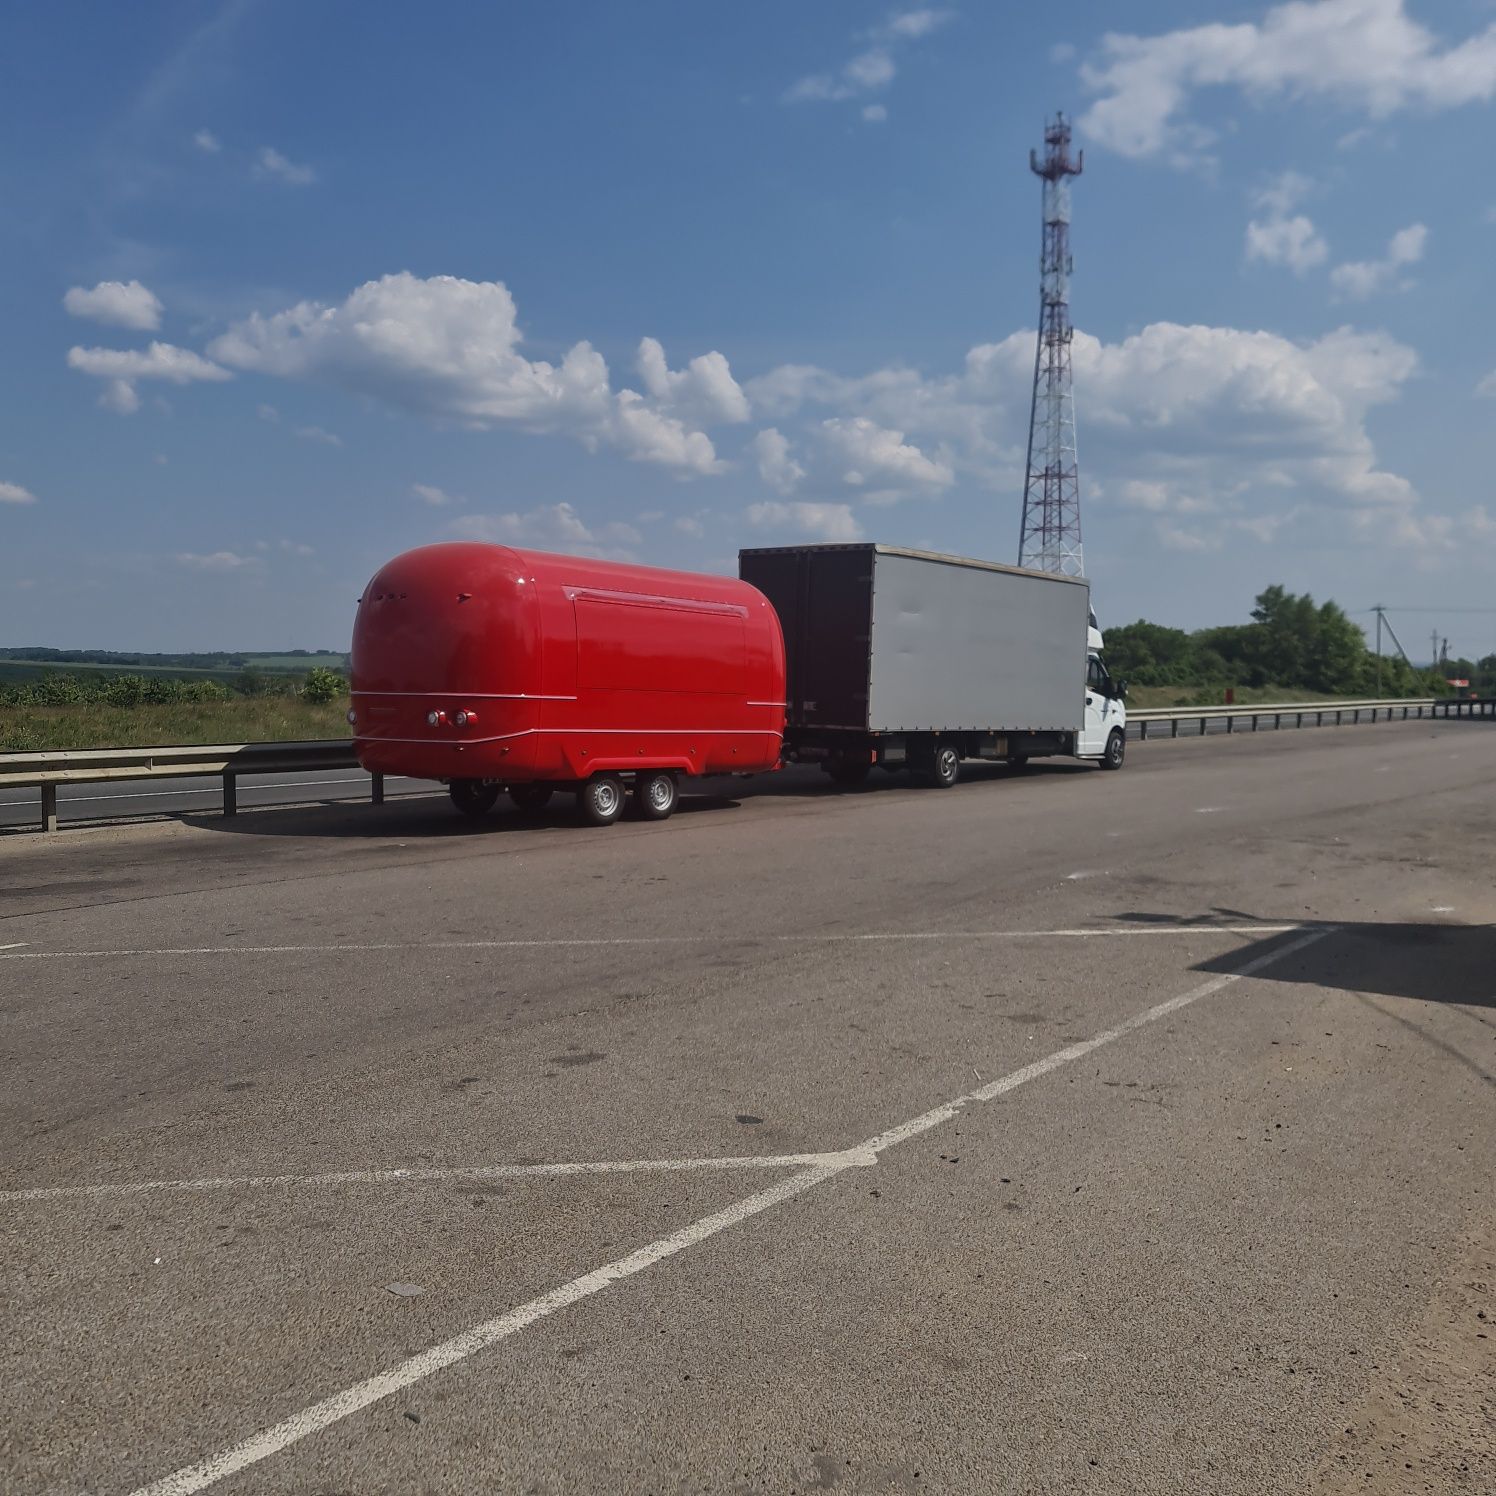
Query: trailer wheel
[654,795]
[1017,761]
[473,797]
[1116,750]
[944,769]
[530,797]
[601,799]
[848,770]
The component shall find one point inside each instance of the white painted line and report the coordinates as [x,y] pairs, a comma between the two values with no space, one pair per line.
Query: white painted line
[15,945]
[331,1410]
[732,938]
[842,1160]
[340,1405]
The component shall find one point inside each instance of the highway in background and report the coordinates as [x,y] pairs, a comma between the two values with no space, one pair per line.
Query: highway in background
[1065,1131]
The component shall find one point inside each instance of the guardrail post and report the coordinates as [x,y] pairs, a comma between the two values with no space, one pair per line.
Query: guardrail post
[1277,721]
[1230,723]
[49,807]
[1356,717]
[1143,730]
[230,793]
[1173,727]
[1254,721]
[376,788]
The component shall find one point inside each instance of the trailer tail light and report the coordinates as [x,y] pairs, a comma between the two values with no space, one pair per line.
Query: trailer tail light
[435,719]
[352,716]
[466,719]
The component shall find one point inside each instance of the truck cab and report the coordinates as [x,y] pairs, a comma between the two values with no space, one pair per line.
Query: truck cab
[1103,733]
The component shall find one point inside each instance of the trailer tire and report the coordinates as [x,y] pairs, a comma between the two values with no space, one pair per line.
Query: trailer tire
[601,799]
[473,797]
[655,794]
[1116,750]
[943,768]
[1017,762]
[848,770]
[530,797]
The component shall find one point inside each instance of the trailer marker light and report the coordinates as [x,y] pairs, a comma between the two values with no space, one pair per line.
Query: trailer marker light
[352,716]
[435,719]
[466,719]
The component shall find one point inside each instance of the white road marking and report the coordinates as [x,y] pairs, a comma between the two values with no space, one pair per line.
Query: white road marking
[15,945]
[1209,810]
[646,940]
[340,1405]
[840,1160]
[1087,873]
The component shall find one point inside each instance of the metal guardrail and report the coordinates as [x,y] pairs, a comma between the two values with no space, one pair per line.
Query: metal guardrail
[231,760]
[1323,713]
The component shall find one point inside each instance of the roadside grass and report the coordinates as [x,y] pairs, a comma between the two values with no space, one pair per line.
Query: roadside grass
[247,719]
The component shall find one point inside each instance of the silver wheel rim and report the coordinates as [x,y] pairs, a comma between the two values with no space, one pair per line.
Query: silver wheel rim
[661,793]
[947,762]
[604,798]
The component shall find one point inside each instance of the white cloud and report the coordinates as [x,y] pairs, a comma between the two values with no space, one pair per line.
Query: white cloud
[13,493]
[214,561]
[207,142]
[116,303]
[428,493]
[874,454]
[317,434]
[874,114]
[121,367]
[871,68]
[1361,54]
[1283,193]
[704,390]
[297,548]
[449,349]
[775,465]
[690,524]
[551,527]
[267,413]
[1293,242]
[820,521]
[271,164]
[1359,279]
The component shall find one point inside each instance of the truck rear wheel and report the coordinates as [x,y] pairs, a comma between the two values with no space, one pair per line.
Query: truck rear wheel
[654,794]
[601,799]
[943,768]
[530,797]
[473,797]
[1116,750]
[848,769]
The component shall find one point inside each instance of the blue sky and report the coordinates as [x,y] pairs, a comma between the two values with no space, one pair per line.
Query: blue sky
[293,288]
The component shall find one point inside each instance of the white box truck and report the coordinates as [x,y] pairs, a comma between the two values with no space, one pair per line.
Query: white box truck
[910,659]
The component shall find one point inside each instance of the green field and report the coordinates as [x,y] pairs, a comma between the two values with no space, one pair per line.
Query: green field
[270,664]
[256,719]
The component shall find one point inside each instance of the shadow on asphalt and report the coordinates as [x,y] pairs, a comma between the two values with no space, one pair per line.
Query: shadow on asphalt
[432,815]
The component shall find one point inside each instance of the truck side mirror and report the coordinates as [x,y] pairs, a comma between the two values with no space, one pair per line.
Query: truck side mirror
[1119,690]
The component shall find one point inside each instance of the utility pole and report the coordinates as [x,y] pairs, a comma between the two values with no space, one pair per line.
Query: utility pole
[1379,610]
[1049,537]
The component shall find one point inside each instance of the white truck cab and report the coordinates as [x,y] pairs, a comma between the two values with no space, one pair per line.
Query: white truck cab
[1103,734]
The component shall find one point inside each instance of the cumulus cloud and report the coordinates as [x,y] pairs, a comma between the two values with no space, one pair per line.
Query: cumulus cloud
[819,521]
[317,434]
[1361,54]
[551,527]
[1359,279]
[428,493]
[872,67]
[775,465]
[116,303]
[1215,423]
[878,456]
[704,390]
[207,142]
[214,561]
[121,367]
[450,349]
[13,493]
[1293,242]
[271,165]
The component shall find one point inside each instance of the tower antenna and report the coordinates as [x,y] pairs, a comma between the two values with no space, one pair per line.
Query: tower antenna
[1049,539]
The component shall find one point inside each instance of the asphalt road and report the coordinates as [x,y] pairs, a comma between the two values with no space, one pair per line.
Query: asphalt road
[1065,1131]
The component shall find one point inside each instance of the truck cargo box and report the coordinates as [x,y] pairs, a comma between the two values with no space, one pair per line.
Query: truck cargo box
[880,639]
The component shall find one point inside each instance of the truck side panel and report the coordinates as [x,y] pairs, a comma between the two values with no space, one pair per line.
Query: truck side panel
[963,647]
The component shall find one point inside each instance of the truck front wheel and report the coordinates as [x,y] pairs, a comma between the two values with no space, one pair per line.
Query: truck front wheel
[473,797]
[1116,750]
[601,799]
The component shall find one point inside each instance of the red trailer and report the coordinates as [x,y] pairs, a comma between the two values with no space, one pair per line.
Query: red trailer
[491,668]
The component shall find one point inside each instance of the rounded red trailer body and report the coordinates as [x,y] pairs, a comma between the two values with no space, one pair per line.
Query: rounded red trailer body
[481,662]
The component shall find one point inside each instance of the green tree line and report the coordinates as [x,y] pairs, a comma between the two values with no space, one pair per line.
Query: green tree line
[1291,641]
[318,685]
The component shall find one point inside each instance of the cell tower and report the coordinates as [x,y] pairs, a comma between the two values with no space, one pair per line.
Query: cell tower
[1050,537]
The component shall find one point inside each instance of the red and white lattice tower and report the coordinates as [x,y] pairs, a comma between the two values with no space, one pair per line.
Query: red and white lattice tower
[1050,537]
